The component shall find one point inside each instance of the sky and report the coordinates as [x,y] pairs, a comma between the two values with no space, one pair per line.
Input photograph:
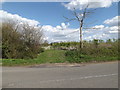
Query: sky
[56,29]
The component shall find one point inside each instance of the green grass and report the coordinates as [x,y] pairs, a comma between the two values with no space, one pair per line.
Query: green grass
[52,56]
[49,56]
[85,59]
[55,56]
[76,57]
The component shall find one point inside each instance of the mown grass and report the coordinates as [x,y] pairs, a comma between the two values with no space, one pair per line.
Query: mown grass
[56,56]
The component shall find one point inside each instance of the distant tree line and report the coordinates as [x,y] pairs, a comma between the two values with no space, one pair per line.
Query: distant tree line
[95,42]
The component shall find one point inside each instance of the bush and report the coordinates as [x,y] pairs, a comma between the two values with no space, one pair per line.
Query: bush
[91,52]
[76,56]
[41,50]
[20,43]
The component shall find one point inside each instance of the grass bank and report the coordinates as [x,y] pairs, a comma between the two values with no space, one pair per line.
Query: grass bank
[57,56]
[49,56]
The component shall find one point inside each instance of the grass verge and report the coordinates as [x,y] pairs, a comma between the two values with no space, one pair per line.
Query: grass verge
[49,56]
[56,56]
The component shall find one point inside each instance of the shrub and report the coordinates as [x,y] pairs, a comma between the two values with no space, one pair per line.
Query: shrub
[41,50]
[75,56]
[103,49]
[19,43]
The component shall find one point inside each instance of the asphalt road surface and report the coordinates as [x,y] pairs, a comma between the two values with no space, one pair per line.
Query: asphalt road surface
[100,75]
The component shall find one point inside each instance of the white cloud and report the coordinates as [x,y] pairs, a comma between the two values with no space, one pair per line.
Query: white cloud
[113,21]
[58,27]
[98,26]
[63,33]
[56,34]
[62,26]
[114,28]
[2,1]
[49,28]
[6,16]
[81,4]
[104,33]
[113,31]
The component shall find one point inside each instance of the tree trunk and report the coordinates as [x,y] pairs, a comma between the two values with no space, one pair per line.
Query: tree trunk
[81,43]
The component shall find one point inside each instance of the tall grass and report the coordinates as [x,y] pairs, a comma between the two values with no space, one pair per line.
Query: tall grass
[94,50]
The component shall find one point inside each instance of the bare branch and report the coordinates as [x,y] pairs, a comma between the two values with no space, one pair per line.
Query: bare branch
[92,28]
[90,22]
[68,20]
[76,15]
[80,16]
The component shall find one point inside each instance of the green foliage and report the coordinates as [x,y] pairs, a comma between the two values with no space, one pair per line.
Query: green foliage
[41,50]
[16,45]
[48,56]
[25,48]
[94,50]
[45,43]
[104,52]
[57,56]
[75,56]
[64,44]
[95,42]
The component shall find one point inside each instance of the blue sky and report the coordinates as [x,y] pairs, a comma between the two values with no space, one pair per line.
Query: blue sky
[50,15]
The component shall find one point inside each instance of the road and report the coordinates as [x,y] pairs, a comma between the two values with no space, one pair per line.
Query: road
[100,75]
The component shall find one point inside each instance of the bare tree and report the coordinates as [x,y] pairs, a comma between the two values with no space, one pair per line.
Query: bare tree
[80,17]
[32,35]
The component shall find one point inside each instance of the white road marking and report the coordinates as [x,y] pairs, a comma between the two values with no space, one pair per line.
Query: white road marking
[86,77]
